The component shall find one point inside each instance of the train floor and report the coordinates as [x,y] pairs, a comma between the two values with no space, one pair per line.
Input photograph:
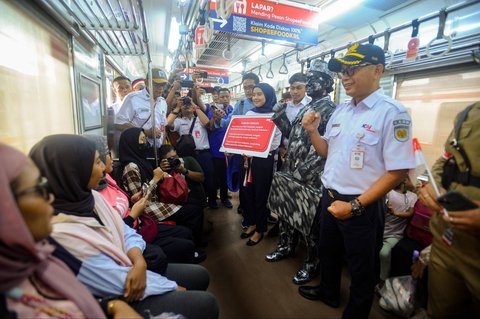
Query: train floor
[246,286]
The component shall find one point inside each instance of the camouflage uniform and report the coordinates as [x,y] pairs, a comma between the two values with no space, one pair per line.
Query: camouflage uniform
[297,188]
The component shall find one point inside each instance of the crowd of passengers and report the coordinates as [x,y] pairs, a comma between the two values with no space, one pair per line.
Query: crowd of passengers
[83,236]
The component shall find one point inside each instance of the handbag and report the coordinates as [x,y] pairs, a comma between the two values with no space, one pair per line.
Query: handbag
[418,229]
[186,144]
[147,228]
[398,295]
[173,189]
[294,202]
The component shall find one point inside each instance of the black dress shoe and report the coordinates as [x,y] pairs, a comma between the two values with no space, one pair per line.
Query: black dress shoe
[315,293]
[279,254]
[245,235]
[303,276]
[250,242]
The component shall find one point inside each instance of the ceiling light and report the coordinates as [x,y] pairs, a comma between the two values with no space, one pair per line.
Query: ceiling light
[336,8]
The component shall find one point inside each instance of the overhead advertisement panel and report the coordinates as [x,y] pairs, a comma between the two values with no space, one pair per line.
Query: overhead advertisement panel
[269,20]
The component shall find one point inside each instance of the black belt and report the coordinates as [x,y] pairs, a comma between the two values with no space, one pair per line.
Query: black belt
[202,151]
[337,196]
[466,179]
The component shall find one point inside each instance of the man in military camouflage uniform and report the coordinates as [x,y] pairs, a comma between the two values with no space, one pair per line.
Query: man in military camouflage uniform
[297,188]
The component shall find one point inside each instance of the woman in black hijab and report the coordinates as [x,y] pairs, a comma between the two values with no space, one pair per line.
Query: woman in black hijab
[109,253]
[136,170]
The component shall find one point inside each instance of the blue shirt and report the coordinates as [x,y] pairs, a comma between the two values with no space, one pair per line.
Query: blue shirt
[237,110]
[215,137]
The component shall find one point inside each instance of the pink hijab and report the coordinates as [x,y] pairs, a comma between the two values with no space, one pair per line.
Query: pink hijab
[21,257]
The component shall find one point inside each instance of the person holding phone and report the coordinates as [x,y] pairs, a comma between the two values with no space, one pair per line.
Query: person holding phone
[454,268]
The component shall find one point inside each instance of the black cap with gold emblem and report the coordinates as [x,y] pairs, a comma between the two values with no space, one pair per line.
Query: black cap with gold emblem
[358,54]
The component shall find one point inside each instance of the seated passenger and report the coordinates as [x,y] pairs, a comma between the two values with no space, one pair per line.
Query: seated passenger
[400,202]
[175,241]
[188,167]
[33,283]
[136,170]
[109,253]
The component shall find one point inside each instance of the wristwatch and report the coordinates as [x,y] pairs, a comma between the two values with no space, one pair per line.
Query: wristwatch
[357,208]
[175,113]
[185,172]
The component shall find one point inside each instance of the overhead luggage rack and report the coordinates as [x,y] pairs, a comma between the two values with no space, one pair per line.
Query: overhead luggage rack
[117,26]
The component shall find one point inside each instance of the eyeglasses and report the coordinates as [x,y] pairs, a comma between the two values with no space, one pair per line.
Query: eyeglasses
[109,153]
[248,88]
[41,188]
[351,70]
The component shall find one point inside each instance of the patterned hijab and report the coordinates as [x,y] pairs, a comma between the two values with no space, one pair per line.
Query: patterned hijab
[21,256]
[67,162]
[270,98]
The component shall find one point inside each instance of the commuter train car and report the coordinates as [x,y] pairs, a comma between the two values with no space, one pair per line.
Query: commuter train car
[59,59]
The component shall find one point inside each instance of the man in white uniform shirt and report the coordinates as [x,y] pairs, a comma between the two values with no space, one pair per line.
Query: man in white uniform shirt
[368,145]
[135,110]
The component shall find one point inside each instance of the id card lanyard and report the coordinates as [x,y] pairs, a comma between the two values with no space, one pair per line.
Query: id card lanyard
[357,155]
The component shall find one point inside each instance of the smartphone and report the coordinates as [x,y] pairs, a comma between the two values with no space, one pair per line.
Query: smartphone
[186,84]
[456,201]
[146,191]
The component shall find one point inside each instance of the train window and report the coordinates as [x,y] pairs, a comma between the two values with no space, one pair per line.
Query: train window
[433,100]
[35,95]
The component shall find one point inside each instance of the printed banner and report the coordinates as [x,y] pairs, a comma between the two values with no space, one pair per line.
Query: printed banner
[270,20]
[248,135]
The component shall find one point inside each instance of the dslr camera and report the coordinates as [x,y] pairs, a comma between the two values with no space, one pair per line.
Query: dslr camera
[174,162]
[186,100]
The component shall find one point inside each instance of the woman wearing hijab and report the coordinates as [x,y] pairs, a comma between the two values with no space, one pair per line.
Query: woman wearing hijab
[34,283]
[258,172]
[108,252]
[136,171]
[175,241]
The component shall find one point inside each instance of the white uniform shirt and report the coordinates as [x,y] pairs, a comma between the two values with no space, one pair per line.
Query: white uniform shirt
[293,109]
[277,137]
[381,128]
[136,110]
[200,135]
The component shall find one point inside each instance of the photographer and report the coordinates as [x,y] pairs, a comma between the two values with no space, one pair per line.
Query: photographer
[188,167]
[187,119]
[454,270]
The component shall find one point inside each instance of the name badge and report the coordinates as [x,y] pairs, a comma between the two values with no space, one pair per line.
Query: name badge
[356,159]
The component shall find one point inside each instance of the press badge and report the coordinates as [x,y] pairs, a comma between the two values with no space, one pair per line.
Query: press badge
[356,158]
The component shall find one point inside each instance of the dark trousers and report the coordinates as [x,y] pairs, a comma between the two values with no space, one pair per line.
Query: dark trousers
[195,303]
[221,176]
[176,242]
[204,158]
[360,238]
[256,193]
[191,216]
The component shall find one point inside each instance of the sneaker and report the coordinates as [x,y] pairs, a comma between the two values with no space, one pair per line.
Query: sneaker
[227,203]
[229,194]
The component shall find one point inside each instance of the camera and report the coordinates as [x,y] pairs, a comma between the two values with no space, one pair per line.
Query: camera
[174,162]
[186,100]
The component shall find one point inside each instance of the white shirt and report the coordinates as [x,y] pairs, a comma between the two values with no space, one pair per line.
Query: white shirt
[136,111]
[379,126]
[277,137]
[292,109]
[200,135]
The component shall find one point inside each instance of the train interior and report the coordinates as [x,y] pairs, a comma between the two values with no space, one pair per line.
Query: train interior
[59,58]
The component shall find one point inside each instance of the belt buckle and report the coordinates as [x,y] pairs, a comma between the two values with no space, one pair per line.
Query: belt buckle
[330,193]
